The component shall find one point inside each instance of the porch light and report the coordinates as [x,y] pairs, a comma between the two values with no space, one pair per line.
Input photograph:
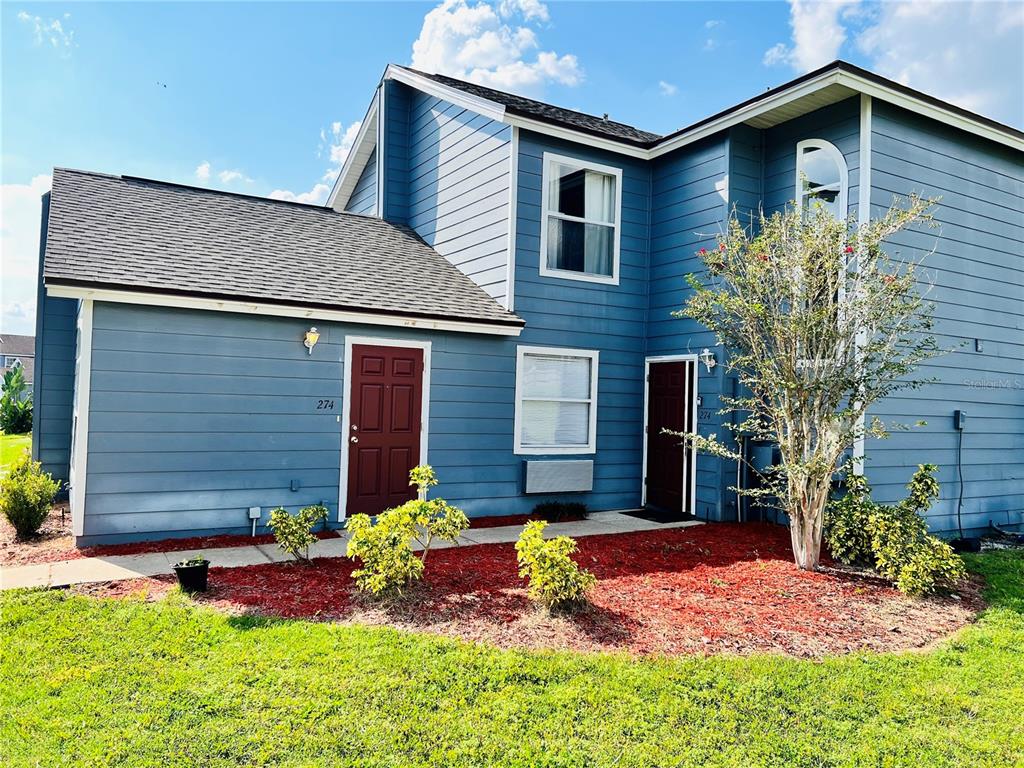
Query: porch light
[311,338]
[708,358]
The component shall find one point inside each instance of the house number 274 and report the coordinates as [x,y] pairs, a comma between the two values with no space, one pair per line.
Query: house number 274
[325,405]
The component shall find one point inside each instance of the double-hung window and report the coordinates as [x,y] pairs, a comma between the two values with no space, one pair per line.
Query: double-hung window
[556,400]
[580,227]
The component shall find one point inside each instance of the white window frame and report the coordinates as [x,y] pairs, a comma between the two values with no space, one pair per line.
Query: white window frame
[532,450]
[550,160]
[844,172]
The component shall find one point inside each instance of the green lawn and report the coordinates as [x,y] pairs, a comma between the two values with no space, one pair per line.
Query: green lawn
[91,682]
[11,447]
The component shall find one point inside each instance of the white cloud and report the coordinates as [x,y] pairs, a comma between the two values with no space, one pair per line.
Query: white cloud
[226,177]
[337,143]
[969,53]
[712,23]
[52,31]
[19,253]
[203,171]
[477,42]
[667,89]
[818,34]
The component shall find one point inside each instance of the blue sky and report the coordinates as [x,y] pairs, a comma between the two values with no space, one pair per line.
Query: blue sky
[262,98]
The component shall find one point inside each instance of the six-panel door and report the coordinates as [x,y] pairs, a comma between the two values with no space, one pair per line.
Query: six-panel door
[384,426]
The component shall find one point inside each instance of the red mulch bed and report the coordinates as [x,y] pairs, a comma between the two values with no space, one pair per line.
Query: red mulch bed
[709,589]
[55,543]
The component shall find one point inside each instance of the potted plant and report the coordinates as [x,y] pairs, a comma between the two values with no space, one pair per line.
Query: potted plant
[192,574]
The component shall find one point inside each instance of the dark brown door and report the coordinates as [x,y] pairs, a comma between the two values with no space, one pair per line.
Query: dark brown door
[669,468]
[384,426]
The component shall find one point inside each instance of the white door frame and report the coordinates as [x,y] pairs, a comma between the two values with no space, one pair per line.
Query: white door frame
[346,403]
[688,358]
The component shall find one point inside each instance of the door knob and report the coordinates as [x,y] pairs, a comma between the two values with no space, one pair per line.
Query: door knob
[354,439]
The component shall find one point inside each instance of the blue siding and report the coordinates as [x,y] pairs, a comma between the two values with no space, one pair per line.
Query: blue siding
[364,196]
[397,101]
[584,315]
[56,321]
[689,209]
[746,173]
[458,188]
[976,267]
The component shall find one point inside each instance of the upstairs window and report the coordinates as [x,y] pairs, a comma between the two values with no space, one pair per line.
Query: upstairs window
[582,204]
[821,177]
[556,400]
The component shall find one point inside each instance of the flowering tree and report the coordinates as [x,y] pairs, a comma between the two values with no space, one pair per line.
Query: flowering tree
[819,322]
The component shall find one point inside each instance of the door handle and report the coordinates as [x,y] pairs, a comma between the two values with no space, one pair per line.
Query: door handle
[354,439]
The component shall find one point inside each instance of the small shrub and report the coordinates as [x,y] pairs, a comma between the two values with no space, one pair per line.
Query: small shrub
[894,539]
[15,403]
[26,495]
[555,580]
[385,547]
[294,533]
[554,511]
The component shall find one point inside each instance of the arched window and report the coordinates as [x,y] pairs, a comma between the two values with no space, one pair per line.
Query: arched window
[821,177]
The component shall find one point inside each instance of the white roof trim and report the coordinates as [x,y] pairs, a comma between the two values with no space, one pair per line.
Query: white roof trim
[363,146]
[478,104]
[558,131]
[278,310]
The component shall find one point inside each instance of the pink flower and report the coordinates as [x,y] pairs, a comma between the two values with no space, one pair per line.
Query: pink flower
[703,251]
[848,249]
[762,257]
[889,279]
[721,246]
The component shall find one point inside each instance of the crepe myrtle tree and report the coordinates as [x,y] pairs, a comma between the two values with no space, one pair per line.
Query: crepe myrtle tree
[819,322]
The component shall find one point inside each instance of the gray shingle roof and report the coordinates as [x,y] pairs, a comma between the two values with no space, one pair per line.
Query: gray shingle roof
[139,234]
[549,113]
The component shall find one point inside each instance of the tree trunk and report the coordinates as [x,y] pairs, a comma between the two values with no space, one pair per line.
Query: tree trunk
[805,534]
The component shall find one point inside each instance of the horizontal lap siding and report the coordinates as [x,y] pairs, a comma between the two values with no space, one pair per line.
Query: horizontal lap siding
[457,186]
[975,263]
[53,393]
[584,315]
[689,208]
[196,416]
[364,196]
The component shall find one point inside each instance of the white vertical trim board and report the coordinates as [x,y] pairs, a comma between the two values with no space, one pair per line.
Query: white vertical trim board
[863,218]
[80,416]
[595,374]
[346,404]
[692,360]
[550,159]
[381,150]
[513,212]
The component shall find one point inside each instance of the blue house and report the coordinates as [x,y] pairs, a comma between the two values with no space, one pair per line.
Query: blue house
[489,290]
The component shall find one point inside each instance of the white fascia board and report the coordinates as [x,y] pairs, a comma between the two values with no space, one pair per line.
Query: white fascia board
[933,111]
[587,139]
[478,104]
[279,310]
[365,141]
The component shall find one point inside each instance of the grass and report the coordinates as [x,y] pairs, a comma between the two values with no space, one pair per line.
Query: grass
[104,682]
[11,447]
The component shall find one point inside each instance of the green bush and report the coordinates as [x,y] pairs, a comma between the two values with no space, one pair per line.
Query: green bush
[294,533]
[553,511]
[385,546]
[26,495]
[893,539]
[15,403]
[555,580]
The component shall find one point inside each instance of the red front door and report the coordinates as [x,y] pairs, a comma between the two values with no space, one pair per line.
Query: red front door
[669,470]
[384,426]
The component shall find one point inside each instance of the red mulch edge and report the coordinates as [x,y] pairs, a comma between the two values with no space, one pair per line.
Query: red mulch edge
[716,588]
[497,521]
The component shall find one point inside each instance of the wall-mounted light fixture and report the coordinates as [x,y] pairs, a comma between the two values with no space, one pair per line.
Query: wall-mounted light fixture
[311,338]
[707,357]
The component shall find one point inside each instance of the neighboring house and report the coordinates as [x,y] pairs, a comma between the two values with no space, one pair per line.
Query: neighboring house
[491,286]
[18,351]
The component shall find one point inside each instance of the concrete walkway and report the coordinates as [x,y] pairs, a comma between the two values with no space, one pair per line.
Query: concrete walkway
[120,567]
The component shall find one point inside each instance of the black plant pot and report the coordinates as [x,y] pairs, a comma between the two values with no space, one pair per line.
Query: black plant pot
[966,545]
[193,578]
